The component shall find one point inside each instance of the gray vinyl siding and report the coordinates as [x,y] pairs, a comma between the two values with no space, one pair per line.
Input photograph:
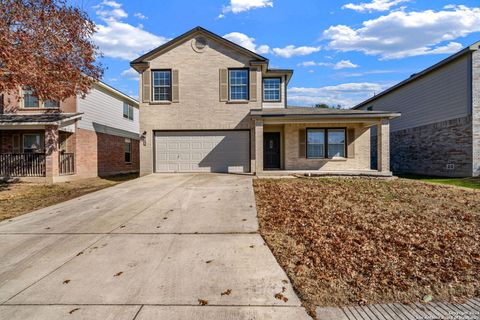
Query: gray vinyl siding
[102,109]
[440,95]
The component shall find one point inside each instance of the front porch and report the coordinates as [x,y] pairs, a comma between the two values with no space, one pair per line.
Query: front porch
[35,150]
[314,142]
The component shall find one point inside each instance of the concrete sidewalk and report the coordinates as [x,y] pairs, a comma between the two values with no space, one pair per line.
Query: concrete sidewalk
[151,248]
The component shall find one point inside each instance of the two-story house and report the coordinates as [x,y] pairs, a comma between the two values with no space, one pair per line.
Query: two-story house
[439,131]
[81,137]
[210,105]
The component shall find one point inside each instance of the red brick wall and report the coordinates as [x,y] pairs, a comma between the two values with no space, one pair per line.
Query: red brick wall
[111,158]
[102,154]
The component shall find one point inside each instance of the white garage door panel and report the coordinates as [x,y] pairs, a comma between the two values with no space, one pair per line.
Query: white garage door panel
[202,151]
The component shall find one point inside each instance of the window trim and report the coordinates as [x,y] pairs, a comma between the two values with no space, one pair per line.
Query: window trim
[279,90]
[247,85]
[128,142]
[152,89]
[325,144]
[41,103]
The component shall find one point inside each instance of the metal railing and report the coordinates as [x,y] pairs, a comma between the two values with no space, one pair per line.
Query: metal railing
[22,164]
[66,163]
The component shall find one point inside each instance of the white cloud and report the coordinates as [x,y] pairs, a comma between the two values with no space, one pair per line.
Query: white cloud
[140,16]
[343,64]
[118,39]
[130,74]
[403,34]
[375,5]
[291,50]
[238,6]
[247,42]
[346,94]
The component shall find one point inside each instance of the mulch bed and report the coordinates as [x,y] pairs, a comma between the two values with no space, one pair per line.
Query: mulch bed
[358,241]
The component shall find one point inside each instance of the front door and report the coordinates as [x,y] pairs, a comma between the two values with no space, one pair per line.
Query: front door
[271,150]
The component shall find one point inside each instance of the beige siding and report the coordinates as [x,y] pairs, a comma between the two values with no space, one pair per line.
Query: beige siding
[199,106]
[440,95]
[361,161]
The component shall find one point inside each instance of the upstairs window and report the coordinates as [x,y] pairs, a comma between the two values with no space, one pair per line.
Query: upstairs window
[127,111]
[162,85]
[29,99]
[271,89]
[51,104]
[238,84]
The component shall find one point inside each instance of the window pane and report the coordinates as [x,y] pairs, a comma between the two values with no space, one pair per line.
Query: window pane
[316,143]
[238,80]
[271,89]
[128,150]
[336,143]
[29,100]
[32,143]
[125,110]
[130,112]
[161,85]
[51,104]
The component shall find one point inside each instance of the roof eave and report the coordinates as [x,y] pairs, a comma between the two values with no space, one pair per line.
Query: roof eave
[473,47]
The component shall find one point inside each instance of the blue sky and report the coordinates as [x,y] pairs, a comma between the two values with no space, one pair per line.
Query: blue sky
[342,51]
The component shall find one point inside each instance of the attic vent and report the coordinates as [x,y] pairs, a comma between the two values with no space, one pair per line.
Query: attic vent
[199,44]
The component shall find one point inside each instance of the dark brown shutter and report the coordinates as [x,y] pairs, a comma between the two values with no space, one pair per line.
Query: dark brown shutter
[302,145]
[351,142]
[223,84]
[175,90]
[253,84]
[146,86]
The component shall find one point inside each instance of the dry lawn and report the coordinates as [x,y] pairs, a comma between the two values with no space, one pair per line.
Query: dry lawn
[358,241]
[18,198]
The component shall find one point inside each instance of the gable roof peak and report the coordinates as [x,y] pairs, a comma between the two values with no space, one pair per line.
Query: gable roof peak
[142,59]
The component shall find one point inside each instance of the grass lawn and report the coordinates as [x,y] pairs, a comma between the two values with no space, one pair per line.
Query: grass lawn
[358,241]
[473,183]
[18,198]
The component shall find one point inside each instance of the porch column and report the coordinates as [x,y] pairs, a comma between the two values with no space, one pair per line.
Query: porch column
[258,146]
[383,146]
[51,153]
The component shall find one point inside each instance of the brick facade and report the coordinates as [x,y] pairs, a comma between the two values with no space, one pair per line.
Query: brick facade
[361,160]
[100,154]
[428,149]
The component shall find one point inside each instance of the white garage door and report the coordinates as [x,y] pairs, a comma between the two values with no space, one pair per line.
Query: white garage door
[202,151]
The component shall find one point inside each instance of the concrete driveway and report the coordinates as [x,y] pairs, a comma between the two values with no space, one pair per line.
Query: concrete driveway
[145,249]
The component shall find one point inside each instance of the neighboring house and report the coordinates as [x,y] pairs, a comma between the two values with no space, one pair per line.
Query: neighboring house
[81,137]
[439,131]
[210,105]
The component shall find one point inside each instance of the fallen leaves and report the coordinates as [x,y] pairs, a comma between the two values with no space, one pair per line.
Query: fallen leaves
[73,310]
[356,241]
[226,293]
[66,281]
[281,297]
[202,302]
[118,274]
